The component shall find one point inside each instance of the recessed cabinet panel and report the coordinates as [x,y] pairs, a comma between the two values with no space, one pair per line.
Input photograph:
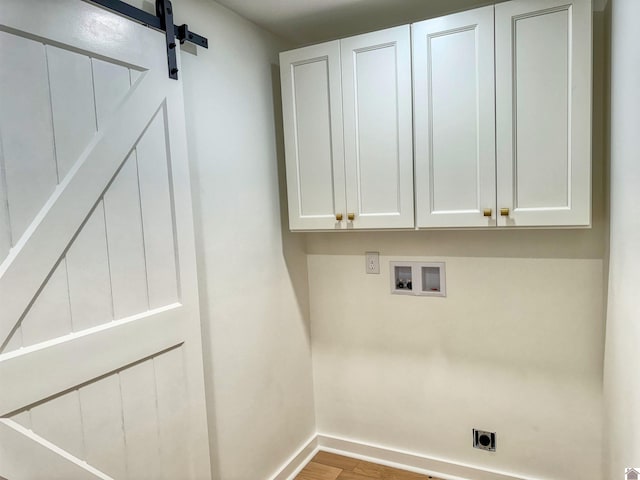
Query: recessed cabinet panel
[454,114]
[312,112]
[454,119]
[376,98]
[313,135]
[543,105]
[376,80]
[542,110]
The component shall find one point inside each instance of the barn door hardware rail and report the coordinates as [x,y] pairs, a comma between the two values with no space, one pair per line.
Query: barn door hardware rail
[163,20]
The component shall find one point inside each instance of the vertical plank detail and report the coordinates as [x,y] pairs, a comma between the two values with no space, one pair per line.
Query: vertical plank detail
[172,415]
[58,421]
[72,104]
[89,278]
[157,217]
[125,242]
[26,129]
[111,83]
[101,406]
[49,316]
[122,203]
[141,421]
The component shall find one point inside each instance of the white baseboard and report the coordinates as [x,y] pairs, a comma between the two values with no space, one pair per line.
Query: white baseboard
[298,460]
[444,469]
[412,462]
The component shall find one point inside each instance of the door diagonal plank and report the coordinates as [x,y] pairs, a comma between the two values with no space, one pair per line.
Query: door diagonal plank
[32,260]
[74,359]
[23,453]
[100,339]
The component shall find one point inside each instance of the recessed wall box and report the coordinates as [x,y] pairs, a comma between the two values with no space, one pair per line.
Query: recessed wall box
[402,280]
[432,279]
[418,278]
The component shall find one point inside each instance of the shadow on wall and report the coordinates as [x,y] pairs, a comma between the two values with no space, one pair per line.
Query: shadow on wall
[203,288]
[293,244]
[463,243]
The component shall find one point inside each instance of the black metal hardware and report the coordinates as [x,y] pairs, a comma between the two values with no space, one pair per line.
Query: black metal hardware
[184,35]
[162,21]
[164,10]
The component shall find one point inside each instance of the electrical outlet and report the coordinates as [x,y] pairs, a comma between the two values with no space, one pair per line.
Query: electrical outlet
[484,440]
[373,262]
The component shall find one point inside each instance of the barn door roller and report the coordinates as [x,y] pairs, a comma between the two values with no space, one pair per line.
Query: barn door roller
[163,20]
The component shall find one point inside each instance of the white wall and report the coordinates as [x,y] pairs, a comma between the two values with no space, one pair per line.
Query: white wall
[253,281]
[252,272]
[516,347]
[622,362]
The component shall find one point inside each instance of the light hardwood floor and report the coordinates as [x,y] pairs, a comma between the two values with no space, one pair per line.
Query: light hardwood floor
[328,466]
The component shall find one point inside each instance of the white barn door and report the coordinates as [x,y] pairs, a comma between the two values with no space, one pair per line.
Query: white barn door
[100,351]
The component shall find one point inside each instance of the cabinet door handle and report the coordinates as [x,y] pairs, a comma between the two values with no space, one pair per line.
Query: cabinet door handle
[351,216]
[487,212]
[504,212]
[338,217]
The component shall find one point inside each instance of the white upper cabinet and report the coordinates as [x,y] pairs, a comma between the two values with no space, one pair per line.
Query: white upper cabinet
[376,92]
[365,181]
[312,115]
[543,112]
[454,115]
[495,103]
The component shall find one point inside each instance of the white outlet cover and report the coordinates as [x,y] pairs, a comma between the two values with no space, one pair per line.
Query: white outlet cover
[372,265]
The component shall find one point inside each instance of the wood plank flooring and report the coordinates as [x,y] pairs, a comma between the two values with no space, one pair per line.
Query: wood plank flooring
[329,466]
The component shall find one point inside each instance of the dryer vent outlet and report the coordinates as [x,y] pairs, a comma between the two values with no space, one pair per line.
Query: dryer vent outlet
[484,440]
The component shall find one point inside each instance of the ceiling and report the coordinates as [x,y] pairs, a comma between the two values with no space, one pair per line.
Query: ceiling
[310,21]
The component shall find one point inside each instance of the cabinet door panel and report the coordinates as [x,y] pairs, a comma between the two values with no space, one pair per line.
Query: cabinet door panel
[454,116]
[376,81]
[543,84]
[312,114]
